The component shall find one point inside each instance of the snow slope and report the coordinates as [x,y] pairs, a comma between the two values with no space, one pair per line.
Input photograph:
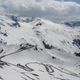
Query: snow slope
[38,49]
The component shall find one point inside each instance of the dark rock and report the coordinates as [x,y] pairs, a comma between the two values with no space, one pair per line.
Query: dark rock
[1,78]
[14,18]
[76,42]
[1,50]
[77,54]
[36,48]
[73,23]
[47,46]
[2,64]
[26,46]
[53,57]
[5,34]
[16,21]
[41,49]
[39,24]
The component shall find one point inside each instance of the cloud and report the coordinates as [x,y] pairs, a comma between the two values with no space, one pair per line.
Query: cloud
[54,10]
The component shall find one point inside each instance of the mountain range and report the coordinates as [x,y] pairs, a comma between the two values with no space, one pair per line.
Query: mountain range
[39,47]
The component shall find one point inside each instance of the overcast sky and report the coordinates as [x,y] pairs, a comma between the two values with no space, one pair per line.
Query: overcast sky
[73,0]
[54,10]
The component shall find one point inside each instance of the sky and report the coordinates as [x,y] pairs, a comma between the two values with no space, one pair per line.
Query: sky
[54,10]
[78,1]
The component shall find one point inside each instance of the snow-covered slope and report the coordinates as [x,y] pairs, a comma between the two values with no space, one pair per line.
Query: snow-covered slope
[38,49]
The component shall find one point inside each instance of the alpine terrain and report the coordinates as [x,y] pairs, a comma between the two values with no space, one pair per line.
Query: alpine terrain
[39,40]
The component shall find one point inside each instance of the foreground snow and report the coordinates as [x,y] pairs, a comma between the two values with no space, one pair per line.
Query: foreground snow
[37,49]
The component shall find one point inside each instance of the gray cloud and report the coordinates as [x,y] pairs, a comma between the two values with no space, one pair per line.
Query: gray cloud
[50,9]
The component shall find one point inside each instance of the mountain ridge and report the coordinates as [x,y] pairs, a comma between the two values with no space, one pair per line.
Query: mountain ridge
[38,49]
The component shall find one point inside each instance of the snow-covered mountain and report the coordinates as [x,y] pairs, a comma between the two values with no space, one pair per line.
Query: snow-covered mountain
[39,40]
[38,49]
